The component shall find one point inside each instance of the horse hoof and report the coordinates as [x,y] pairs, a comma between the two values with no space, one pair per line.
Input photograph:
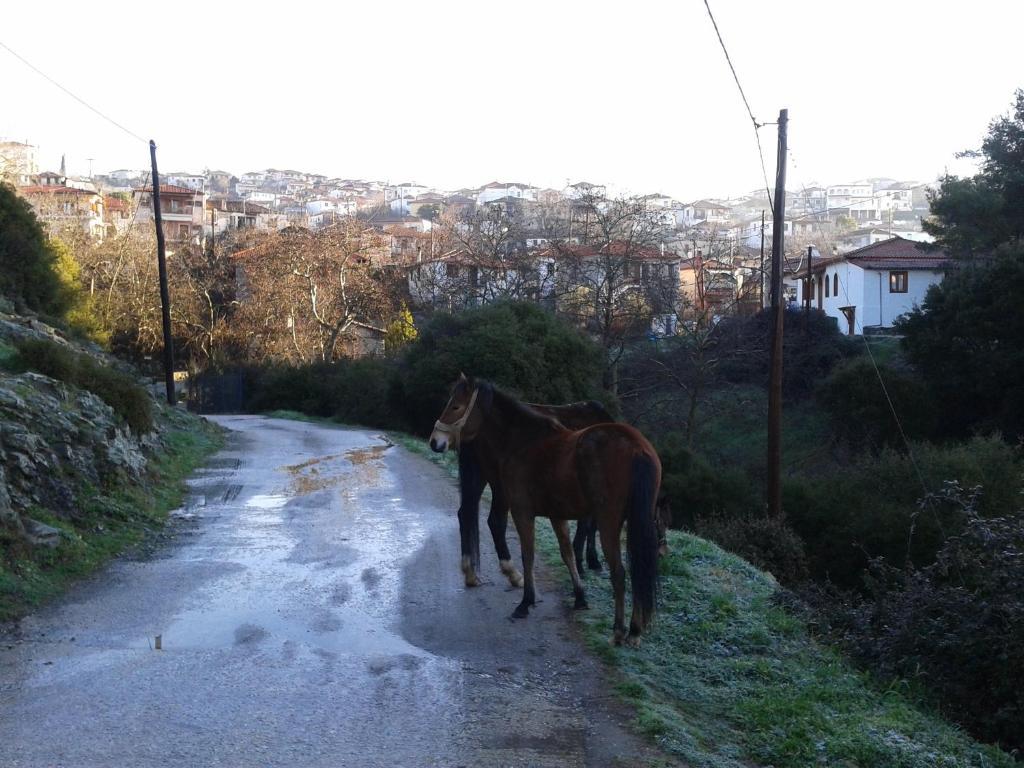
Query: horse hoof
[595,565]
[521,612]
[616,639]
[472,580]
[633,641]
[581,605]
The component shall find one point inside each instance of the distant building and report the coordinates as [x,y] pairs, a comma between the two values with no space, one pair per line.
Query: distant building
[181,210]
[67,207]
[870,287]
[17,162]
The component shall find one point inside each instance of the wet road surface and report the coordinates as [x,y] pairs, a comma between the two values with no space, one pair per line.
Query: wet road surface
[310,613]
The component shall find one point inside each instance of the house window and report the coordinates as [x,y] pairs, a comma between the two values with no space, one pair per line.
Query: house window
[827,281]
[835,284]
[551,269]
[451,270]
[898,282]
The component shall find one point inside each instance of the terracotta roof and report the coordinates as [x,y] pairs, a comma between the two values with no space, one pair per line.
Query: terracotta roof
[615,248]
[895,253]
[170,189]
[53,189]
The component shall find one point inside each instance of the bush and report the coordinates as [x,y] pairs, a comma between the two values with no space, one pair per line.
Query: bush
[767,542]
[351,391]
[697,490]
[870,508]
[518,346]
[956,626]
[860,413]
[118,390]
[812,346]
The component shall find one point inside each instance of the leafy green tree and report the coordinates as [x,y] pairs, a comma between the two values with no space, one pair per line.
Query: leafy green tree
[967,338]
[27,260]
[972,217]
[517,345]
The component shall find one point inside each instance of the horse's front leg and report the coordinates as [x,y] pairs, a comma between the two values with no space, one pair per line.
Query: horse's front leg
[524,527]
[471,488]
[497,521]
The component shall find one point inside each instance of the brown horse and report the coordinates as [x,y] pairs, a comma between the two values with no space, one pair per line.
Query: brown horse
[478,468]
[608,472]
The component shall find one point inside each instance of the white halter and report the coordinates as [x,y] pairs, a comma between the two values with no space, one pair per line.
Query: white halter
[455,428]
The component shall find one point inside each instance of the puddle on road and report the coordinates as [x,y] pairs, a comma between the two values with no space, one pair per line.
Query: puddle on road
[324,472]
[297,584]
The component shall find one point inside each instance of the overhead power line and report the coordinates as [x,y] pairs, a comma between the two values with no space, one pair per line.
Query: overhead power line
[750,112]
[80,100]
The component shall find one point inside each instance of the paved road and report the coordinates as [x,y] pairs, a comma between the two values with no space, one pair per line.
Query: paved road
[311,614]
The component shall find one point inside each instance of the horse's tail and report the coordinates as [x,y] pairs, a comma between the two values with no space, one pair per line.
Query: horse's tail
[470,488]
[642,536]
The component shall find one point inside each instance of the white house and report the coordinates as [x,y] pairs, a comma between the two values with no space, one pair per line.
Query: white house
[872,286]
[497,190]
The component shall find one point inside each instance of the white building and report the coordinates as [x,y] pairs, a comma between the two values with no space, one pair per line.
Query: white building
[497,190]
[196,181]
[870,287]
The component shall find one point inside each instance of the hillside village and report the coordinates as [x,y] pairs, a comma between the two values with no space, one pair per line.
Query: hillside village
[706,255]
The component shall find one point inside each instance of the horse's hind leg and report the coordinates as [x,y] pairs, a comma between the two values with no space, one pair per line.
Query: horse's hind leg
[613,556]
[524,527]
[497,521]
[593,561]
[561,528]
[578,541]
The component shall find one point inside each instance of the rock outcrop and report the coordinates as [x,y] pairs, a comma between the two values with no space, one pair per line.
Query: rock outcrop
[57,442]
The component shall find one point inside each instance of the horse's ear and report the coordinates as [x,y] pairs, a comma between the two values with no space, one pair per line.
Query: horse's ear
[485,395]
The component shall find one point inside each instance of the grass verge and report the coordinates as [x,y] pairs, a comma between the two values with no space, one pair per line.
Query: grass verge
[729,677]
[110,521]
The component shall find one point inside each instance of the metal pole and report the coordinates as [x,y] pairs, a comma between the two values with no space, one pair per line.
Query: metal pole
[165,296]
[775,381]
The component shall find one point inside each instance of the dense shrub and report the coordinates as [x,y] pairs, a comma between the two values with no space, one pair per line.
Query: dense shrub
[812,346]
[696,489]
[955,626]
[767,542]
[870,508]
[518,346]
[351,391]
[860,413]
[118,390]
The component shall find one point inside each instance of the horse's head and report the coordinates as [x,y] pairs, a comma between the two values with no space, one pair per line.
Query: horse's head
[460,420]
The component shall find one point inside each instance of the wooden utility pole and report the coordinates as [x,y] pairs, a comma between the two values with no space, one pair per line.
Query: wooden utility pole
[165,296]
[762,260]
[810,280]
[777,313]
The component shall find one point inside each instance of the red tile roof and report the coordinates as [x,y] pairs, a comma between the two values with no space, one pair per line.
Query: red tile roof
[170,189]
[53,189]
[895,253]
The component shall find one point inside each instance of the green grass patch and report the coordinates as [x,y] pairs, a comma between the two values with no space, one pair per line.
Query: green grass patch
[728,678]
[109,521]
[9,358]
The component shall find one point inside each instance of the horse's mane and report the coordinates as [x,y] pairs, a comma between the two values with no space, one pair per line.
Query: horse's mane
[518,415]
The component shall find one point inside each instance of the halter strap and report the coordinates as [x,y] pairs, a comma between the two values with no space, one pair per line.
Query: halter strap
[455,428]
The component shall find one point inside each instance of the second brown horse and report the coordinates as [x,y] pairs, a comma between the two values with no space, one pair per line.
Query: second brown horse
[609,473]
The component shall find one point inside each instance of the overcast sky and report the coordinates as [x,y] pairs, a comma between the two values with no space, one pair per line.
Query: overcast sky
[636,95]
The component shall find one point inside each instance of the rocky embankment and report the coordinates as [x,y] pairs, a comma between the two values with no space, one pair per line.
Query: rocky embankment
[58,442]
